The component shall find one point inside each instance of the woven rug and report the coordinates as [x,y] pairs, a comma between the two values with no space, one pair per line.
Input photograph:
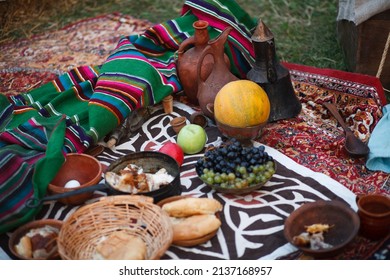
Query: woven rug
[28,64]
[314,139]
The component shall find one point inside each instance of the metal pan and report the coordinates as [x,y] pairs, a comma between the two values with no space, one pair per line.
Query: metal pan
[150,161]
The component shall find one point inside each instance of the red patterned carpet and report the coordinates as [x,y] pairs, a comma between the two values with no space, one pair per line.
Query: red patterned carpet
[312,139]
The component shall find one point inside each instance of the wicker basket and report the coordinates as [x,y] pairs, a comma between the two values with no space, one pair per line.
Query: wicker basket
[137,214]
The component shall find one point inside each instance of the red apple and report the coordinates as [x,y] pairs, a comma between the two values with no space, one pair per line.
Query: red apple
[173,150]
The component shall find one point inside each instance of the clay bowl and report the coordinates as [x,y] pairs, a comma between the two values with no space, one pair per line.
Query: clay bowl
[83,168]
[178,123]
[343,220]
[198,118]
[242,134]
[24,229]
[189,242]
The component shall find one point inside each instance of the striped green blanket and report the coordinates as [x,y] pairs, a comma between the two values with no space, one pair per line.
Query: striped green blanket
[80,107]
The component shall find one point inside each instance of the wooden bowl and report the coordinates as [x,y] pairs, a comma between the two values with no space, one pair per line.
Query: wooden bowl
[83,168]
[343,220]
[24,229]
[189,242]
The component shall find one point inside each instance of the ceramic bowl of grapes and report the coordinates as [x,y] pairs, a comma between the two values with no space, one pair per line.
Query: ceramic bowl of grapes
[234,168]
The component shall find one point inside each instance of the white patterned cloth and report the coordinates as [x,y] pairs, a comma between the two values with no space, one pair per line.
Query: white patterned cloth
[252,224]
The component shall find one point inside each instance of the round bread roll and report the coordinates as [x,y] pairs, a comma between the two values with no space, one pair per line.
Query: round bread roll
[121,245]
[195,226]
[24,247]
[192,206]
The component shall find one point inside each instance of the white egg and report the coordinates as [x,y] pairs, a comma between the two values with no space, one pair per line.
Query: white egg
[72,184]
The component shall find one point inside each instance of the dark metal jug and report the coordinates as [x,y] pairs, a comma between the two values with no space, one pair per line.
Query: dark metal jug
[273,77]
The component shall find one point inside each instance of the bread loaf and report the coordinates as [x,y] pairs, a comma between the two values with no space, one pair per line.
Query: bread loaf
[194,227]
[121,245]
[192,206]
[24,247]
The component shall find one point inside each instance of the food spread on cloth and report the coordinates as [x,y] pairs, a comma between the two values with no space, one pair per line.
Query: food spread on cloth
[38,243]
[313,237]
[293,184]
[133,179]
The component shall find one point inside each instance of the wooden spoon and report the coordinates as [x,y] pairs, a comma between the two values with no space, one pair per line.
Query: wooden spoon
[353,145]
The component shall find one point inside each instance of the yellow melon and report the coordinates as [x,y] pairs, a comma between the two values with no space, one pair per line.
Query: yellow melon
[241,103]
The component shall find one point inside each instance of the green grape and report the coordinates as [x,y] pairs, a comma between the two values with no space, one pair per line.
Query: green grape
[210,180]
[267,174]
[217,179]
[231,176]
[224,177]
[238,184]
[251,178]
[241,169]
[261,168]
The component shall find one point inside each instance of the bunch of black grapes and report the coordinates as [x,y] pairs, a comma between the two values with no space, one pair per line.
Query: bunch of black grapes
[232,165]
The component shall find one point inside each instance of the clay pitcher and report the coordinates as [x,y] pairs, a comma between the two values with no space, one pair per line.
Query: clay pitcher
[188,56]
[220,74]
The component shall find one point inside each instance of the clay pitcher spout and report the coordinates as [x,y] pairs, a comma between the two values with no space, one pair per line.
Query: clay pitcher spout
[188,55]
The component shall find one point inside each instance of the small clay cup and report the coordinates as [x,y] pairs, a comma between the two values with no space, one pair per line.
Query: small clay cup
[199,119]
[167,103]
[177,123]
[374,214]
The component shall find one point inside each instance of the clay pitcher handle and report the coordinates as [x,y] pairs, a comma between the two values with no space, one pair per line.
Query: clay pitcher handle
[183,46]
[207,50]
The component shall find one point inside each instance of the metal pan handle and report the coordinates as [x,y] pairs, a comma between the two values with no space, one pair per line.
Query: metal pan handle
[34,202]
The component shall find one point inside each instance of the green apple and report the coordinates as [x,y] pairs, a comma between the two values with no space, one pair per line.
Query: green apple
[192,138]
